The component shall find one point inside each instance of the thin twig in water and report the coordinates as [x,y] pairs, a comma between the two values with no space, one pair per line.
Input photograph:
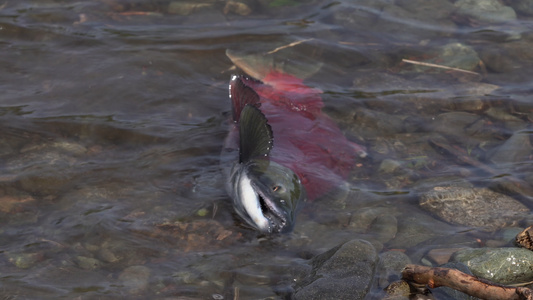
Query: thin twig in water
[358,44]
[138,13]
[288,46]
[58,244]
[236,293]
[230,69]
[414,62]
[215,209]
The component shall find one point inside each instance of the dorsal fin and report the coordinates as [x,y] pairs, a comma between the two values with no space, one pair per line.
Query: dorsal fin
[255,134]
[241,95]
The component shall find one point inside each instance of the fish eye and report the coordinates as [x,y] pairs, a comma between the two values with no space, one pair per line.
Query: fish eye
[277,188]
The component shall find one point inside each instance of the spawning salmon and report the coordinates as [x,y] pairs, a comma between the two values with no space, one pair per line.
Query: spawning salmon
[286,150]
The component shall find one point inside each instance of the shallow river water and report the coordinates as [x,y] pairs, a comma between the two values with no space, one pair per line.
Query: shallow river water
[113,114]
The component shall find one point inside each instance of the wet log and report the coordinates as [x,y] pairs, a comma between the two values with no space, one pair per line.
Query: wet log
[468,284]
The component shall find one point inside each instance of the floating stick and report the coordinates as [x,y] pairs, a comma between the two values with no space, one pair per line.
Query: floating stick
[437,66]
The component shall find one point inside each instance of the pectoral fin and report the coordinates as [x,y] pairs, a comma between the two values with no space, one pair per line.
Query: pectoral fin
[255,134]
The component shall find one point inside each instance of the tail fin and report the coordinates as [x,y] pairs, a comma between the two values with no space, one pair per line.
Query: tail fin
[272,82]
[259,65]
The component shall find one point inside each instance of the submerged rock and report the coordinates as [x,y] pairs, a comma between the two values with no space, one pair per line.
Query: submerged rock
[510,121]
[415,20]
[344,272]
[485,10]
[238,8]
[454,55]
[45,169]
[135,278]
[516,149]
[44,184]
[477,207]
[385,228]
[389,166]
[442,255]
[24,260]
[427,9]
[522,6]
[88,263]
[497,60]
[381,222]
[390,267]
[415,228]
[197,235]
[369,123]
[187,8]
[398,290]
[501,265]
[356,17]
[15,204]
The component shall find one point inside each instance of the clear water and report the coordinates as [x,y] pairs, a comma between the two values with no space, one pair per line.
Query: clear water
[113,114]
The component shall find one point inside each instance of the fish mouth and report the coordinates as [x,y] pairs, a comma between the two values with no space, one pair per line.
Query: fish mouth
[277,219]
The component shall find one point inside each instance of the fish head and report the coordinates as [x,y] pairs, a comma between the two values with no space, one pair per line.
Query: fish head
[267,195]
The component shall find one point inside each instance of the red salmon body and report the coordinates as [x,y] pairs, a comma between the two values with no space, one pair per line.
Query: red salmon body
[304,139]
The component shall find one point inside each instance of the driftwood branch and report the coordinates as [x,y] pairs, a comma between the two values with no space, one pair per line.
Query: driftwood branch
[471,285]
[289,45]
